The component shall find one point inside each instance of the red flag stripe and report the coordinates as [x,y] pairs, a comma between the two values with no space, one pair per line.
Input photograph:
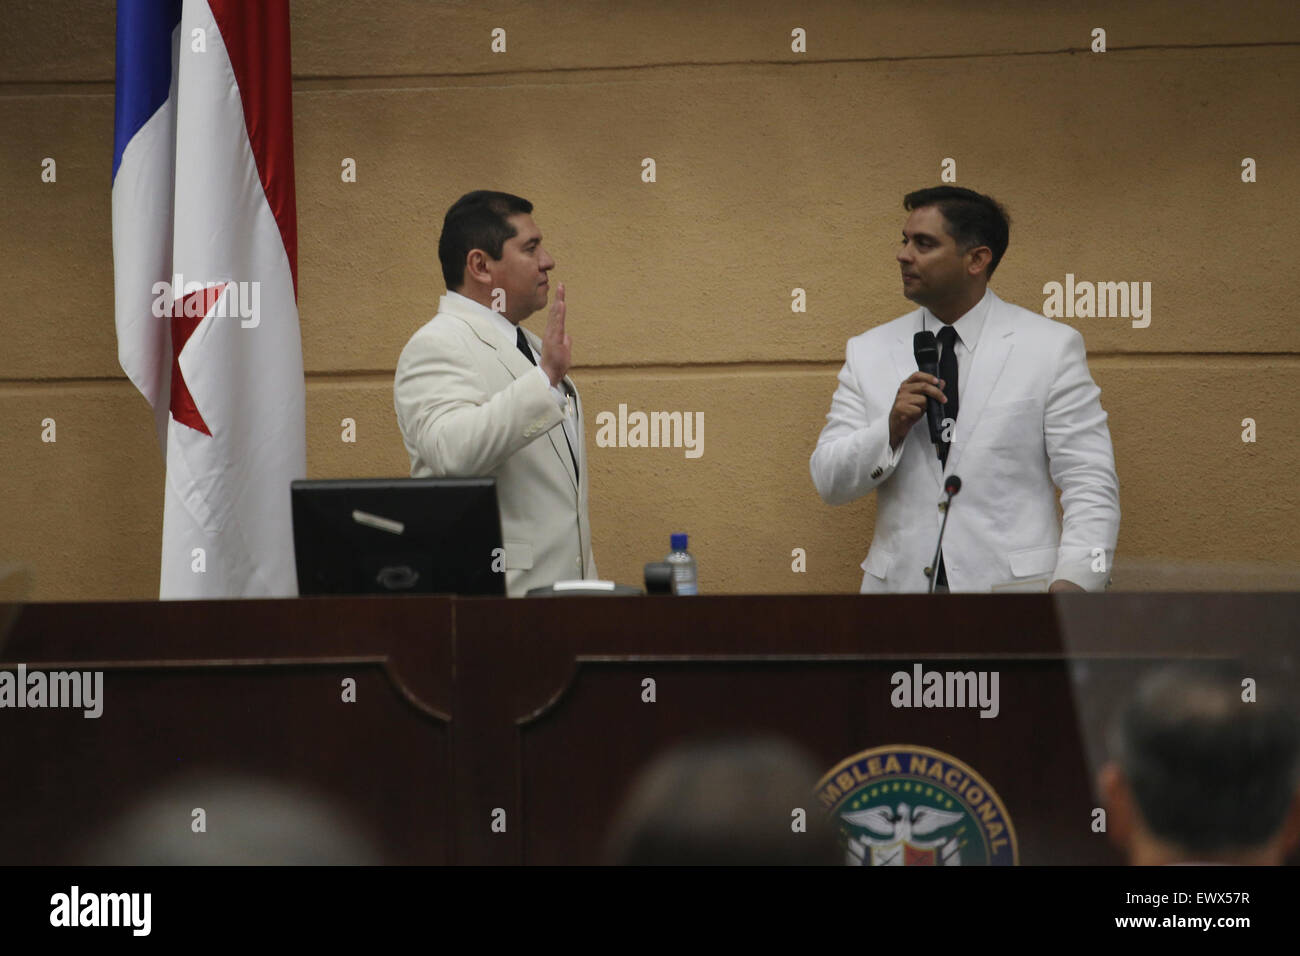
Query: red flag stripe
[256,36]
[187,314]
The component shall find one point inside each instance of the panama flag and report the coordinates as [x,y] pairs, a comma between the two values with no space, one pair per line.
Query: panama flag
[205,267]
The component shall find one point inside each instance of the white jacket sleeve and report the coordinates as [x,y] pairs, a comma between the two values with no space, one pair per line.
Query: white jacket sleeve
[1082,463]
[444,412]
[852,455]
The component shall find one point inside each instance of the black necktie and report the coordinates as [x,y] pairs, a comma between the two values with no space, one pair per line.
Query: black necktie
[523,345]
[948,372]
[528,354]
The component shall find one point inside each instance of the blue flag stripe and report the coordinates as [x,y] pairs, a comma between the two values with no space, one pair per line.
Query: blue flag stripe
[143,72]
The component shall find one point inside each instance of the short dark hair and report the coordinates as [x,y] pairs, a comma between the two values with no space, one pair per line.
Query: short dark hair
[1209,771]
[723,801]
[973,219]
[476,220]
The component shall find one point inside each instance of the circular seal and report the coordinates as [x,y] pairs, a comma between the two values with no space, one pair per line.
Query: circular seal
[903,805]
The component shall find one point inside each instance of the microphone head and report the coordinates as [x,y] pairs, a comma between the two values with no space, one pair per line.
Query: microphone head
[952,484]
[926,348]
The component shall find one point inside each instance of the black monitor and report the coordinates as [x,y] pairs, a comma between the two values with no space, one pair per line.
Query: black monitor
[398,536]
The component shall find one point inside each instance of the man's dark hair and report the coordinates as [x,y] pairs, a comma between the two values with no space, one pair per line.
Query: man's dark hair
[476,220]
[973,219]
[723,802]
[1209,771]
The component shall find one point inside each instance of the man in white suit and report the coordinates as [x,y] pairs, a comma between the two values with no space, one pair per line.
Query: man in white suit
[1028,420]
[476,395]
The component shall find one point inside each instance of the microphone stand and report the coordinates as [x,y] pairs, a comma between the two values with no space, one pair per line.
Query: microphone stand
[951,486]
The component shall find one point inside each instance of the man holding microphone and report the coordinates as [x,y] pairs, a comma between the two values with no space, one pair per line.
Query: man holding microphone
[1019,418]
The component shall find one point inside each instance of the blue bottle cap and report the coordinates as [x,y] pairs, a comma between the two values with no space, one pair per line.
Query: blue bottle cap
[679,541]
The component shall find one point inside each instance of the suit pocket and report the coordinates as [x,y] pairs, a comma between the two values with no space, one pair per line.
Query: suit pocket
[518,556]
[1019,407]
[878,563]
[1032,562]
[1010,425]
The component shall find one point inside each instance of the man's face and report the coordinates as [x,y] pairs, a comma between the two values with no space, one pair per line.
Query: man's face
[522,270]
[933,268]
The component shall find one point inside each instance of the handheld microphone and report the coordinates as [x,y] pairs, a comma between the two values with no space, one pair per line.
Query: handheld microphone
[926,349]
[951,485]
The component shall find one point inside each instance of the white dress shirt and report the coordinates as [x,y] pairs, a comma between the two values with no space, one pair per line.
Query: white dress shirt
[968,329]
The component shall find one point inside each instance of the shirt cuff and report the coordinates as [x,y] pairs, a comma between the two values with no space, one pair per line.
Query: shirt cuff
[893,454]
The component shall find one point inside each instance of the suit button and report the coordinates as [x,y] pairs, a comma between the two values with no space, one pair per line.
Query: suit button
[929,572]
[877,473]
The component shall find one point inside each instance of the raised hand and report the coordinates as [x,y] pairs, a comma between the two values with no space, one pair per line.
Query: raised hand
[557,347]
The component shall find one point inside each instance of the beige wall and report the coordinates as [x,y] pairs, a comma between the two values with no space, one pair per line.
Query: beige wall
[776,170]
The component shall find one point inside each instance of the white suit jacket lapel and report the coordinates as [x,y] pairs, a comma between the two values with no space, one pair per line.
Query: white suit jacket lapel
[990,357]
[559,440]
[506,353]
[518,367]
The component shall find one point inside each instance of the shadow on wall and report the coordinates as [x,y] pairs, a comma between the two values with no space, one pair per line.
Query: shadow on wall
[15,588]
[1156,574]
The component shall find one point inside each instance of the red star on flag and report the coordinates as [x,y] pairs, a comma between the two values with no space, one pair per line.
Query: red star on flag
[183,326]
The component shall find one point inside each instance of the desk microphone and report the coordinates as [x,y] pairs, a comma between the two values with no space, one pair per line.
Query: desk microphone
[926,349]
[951,485]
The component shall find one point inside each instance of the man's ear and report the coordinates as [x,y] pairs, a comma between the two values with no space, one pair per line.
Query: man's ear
[476,267]
[1121,810]
[978,260]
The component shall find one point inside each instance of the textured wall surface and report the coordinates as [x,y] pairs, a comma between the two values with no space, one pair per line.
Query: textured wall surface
[775,170]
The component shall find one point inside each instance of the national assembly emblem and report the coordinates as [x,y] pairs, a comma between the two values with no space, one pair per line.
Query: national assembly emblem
[903,805]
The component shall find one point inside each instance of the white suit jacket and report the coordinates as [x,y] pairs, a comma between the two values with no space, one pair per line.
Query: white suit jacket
[1030,422]
[470,405]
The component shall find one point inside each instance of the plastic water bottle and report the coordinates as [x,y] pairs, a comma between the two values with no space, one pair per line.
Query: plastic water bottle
[686,578]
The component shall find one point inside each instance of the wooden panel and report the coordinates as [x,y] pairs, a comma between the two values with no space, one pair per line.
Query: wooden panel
[216,697]
[549,722]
